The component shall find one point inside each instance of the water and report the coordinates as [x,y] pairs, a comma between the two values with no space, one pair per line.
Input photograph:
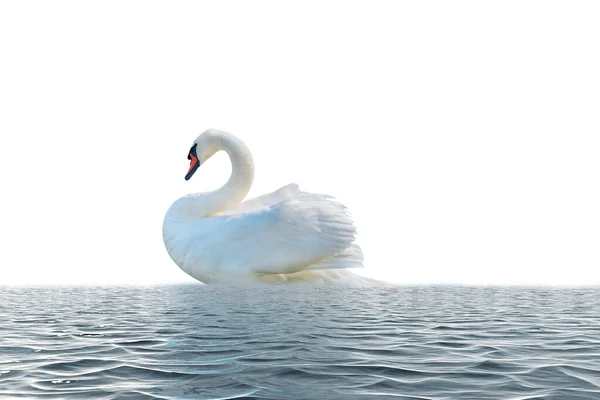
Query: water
[299,342]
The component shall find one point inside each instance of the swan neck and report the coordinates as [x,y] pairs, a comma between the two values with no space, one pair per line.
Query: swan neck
[242,172]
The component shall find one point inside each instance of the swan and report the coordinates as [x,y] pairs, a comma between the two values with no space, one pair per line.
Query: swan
[284,236]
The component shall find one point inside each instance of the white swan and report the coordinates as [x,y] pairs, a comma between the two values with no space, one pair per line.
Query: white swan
[283,236]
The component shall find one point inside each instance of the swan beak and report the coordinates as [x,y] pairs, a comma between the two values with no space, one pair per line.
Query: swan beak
[194,163]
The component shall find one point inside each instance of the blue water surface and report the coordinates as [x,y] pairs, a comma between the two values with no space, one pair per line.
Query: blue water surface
[299,342]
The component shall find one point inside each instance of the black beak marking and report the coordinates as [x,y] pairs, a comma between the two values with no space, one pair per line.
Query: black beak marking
[194,163]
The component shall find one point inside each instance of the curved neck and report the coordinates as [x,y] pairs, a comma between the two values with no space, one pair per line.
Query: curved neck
[242,173]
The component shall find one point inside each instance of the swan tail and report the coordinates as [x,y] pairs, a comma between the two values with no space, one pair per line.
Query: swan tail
[352,257]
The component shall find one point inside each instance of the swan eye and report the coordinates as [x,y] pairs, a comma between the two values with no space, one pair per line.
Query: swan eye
[192,151]
[194,163]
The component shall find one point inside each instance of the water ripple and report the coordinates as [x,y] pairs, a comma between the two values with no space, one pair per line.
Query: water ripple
[300,342]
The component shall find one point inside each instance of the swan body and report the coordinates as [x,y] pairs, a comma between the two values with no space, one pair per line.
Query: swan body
[284,236]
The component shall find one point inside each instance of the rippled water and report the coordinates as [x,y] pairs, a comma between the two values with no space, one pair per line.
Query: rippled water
[299,342]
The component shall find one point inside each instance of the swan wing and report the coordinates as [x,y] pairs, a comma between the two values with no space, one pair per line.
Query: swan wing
[284,232]
[260,202]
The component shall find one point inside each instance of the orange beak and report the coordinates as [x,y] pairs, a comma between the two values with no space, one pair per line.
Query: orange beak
[194,163]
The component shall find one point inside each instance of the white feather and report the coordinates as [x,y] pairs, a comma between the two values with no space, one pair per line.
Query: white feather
[280,233]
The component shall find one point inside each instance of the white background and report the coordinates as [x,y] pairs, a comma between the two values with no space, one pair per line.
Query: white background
[463,136]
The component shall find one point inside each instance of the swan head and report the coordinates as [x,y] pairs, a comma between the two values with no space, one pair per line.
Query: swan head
[203,148]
